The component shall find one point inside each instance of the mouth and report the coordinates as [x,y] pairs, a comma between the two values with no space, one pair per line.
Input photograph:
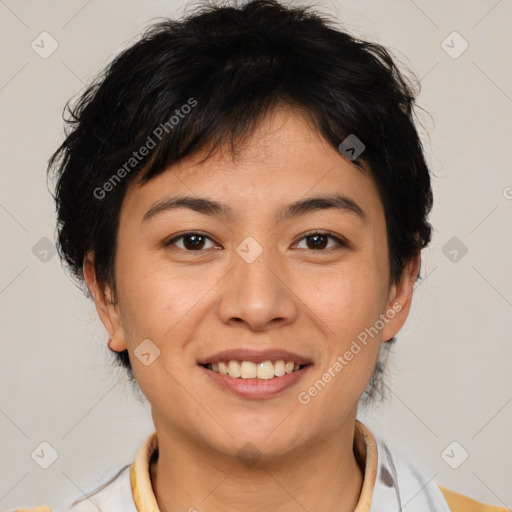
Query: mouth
[255,375]
[264,370]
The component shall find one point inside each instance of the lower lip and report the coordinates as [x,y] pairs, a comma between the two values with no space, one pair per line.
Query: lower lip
[255,388]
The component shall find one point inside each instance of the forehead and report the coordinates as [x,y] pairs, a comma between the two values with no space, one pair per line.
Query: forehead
[284,160]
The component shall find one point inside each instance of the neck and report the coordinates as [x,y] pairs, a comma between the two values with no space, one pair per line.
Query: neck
[320,477]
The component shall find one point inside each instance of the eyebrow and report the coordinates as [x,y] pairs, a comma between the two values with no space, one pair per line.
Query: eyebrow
[295,209]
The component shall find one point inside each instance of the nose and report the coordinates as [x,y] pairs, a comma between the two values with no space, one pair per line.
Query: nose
[257,294]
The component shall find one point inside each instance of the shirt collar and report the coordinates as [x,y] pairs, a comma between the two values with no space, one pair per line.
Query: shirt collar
[145,501]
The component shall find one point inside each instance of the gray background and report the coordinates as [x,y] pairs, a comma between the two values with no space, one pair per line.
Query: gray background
[450,375]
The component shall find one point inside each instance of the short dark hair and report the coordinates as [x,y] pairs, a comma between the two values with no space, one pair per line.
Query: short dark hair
[209,79]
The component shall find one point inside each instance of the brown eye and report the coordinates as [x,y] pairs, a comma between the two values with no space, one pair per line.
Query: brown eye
[191,242]
[320,241]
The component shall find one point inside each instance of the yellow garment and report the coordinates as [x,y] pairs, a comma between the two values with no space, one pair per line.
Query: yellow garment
[42,508]
[460,503]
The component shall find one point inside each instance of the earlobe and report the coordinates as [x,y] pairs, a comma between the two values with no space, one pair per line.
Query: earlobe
[115,345]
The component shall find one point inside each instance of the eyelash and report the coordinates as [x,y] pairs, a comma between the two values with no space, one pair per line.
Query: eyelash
[341,242]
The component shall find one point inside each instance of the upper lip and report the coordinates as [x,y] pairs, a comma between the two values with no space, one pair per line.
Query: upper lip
[256,356]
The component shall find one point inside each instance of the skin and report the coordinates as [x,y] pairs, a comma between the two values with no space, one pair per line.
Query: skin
[191,304]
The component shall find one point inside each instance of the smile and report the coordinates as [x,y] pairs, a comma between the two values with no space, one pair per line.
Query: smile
[264,370]
[255,380]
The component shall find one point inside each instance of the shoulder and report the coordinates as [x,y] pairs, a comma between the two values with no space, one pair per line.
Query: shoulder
[460,503]
[407,478]
[111,496]
[114,494]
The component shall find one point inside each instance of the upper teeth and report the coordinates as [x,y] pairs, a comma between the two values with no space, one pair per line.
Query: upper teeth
[249,370]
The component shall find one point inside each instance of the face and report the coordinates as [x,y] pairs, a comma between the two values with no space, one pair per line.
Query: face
[257,271]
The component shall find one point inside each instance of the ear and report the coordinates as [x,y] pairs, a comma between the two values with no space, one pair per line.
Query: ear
[105,307]
[400,299]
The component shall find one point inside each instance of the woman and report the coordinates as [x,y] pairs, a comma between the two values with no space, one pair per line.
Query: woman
[245,196]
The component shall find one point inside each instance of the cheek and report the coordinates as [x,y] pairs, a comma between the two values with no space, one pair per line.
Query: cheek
[345,305]
[346,300]
[163,305]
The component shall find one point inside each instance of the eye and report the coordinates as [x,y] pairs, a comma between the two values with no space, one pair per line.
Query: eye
[191,241]
[320,241]
[195,242]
